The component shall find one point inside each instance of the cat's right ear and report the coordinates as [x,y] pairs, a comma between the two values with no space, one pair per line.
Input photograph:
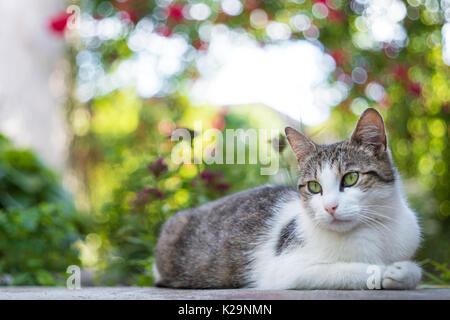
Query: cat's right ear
[370,130]
[300,144]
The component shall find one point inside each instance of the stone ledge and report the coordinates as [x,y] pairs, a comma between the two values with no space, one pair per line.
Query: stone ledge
[150,293]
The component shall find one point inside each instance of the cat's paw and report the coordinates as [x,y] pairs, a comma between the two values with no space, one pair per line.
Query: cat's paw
[403,275]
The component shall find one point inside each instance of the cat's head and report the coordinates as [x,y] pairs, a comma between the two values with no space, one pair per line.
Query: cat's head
[349,183]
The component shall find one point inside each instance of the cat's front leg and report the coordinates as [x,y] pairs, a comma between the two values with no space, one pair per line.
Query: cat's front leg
[340,275]
[403,275]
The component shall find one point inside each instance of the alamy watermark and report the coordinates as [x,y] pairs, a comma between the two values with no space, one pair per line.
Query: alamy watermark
[236,146]
[73,22]
[74,280]
[374,280]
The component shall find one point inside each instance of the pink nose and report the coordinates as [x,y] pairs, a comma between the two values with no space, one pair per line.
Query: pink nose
[331,209]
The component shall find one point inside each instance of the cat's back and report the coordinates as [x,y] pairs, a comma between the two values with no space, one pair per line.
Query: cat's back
[209,246]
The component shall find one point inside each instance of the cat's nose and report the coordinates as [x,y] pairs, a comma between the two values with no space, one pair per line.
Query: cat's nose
[331,208]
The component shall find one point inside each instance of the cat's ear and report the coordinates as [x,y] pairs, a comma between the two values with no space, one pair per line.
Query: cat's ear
[300,144]
[370,130]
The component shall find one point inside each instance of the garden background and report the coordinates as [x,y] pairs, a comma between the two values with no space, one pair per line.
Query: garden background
[86,176]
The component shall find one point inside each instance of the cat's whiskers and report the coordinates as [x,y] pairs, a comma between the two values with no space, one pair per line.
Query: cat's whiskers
[376,215]
[364,214]
[373,225]
[367,209]
[378,207]
[371,221]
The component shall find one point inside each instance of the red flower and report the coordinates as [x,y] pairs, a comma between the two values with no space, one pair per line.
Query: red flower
[207,176]
[128,15]
[219,122]
[222,186]
[336,15]
[155,192]
[175,12]
[415,88]
[141,198]
[158,167]
[144,196]
[58,23]
[201,45]
[400,72]
[340,56]
[252,4]
[210,177]
[214,180]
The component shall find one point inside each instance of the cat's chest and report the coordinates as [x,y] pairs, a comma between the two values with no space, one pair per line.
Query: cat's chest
[359,247]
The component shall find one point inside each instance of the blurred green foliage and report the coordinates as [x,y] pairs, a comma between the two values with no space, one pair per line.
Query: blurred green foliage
[134,186]
[119,134]
[38,222]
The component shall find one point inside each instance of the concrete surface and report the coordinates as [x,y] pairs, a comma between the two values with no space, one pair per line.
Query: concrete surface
[139,293]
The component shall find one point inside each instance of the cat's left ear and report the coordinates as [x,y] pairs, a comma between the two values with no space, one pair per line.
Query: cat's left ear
[370,130]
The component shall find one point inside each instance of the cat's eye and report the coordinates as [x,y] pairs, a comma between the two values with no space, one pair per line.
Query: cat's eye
[350,179]
[314,187]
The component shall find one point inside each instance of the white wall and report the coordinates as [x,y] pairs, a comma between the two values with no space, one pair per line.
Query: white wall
[32,72]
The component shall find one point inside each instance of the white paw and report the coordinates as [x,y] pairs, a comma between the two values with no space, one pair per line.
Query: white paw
[402,275]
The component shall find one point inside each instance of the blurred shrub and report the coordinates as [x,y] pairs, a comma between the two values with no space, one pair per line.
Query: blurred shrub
[134,187]
[38,222]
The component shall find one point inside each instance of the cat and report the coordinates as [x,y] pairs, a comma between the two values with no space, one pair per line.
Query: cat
[346,218]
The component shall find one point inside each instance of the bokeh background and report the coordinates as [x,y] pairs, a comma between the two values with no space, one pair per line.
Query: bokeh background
[91,90]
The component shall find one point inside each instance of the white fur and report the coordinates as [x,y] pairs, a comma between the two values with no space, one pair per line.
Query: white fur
[337,255]
[156,275]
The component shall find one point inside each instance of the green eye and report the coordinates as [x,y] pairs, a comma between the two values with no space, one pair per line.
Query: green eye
[314,187]
[350,179]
